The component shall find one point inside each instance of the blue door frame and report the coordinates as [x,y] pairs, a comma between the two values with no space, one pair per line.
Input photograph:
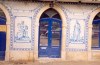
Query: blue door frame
[50,50]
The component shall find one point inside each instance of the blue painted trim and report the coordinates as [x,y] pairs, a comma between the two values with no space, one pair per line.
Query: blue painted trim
[2,20]
[95,48]
[99,36]
[96,21]
[49,32]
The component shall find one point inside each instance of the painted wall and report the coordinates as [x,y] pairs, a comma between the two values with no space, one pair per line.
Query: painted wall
[24,30]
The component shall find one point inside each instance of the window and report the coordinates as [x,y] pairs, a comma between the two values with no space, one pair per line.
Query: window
[96,32]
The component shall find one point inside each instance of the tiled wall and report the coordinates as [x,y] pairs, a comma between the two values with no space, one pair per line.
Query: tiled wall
[23,18]
[77,16]
[77,25]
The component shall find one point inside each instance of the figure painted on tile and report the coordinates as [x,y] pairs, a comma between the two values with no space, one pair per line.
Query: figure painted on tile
[22,34]
[77,31]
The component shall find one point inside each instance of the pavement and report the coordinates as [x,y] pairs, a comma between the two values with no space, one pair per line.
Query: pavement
[52,63]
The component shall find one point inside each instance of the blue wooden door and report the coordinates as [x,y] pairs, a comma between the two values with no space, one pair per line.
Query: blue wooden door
[2,45]
[49,38]
[2,38]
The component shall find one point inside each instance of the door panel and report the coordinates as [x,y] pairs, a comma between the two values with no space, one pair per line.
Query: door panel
[43,44]
[50,38]
[95,35]
[56,39]
[56,33]
[43,34]
[2,45]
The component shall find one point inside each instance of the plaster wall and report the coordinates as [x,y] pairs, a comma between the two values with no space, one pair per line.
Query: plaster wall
[76,41]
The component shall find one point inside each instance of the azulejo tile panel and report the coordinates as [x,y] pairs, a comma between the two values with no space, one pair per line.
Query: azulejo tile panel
[76,32]
[22,28]
[76,35]
[77,26]
[21,33]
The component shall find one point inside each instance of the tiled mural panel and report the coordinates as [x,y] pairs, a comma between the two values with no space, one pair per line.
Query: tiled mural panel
[77,25]
[22,24]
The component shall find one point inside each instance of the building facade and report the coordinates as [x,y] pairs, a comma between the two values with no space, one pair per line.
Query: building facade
[42,30]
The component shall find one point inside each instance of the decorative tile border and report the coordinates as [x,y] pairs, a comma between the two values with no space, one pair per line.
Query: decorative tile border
[65,10]
[12,27]
[13,42]
[84,42]
[22,29]
[76,31]
[33,19]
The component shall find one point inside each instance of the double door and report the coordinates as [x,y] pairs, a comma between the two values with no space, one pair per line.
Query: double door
[49,38]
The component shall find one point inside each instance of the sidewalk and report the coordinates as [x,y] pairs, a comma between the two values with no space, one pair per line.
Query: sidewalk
[54,63]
